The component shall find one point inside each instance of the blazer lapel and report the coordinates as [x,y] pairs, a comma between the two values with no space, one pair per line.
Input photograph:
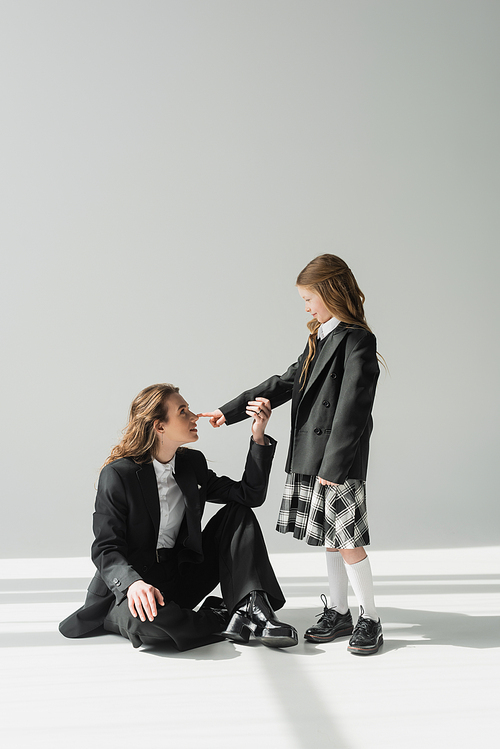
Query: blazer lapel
[149,487]
[326,353]
[187,482]
[297,392]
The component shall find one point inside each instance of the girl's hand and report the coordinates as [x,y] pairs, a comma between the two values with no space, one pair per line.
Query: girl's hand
[324,482]
[217,418]
[260,409]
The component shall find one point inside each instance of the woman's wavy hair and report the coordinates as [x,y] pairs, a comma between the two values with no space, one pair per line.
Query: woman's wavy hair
[139,436]
[333,281]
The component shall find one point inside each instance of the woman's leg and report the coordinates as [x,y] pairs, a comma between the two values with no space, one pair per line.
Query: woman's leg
[235,555]
[188,629]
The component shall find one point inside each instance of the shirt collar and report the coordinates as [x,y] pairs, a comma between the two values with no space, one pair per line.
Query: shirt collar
[160,468]
[327,327]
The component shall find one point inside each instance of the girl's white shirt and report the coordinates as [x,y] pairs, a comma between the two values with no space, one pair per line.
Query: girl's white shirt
[327,327]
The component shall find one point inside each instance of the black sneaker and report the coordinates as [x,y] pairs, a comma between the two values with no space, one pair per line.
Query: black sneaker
[367,637]
[330,625]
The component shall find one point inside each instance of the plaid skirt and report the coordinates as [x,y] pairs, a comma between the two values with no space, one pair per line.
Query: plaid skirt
[333,516]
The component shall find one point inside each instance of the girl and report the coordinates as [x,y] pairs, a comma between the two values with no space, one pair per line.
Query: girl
[332,387]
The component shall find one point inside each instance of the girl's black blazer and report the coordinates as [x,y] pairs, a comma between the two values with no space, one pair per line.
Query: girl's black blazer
[331,416]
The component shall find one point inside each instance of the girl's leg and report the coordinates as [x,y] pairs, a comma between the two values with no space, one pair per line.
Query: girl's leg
[335,621]
[337,581]
[357,566]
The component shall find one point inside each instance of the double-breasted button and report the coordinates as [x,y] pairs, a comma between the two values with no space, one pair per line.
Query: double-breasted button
[326,404]
[318,431]
[333,375]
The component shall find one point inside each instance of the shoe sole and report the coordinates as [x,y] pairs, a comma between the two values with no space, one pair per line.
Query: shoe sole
[270,641]
[366,651]
[278,641]
[330,638]
[239,629]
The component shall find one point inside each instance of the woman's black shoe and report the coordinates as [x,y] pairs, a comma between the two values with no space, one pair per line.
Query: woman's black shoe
[254,615]
[367,637]
[330,625]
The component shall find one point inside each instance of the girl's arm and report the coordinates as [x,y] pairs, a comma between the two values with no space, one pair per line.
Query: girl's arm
[278,389]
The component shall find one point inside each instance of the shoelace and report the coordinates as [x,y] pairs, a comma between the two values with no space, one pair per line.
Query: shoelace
[327,615]
[364,625]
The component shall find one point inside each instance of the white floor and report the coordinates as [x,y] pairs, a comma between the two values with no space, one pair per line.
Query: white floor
[435,683]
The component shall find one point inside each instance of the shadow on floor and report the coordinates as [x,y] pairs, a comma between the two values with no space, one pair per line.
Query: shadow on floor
[415,627]
[402,628]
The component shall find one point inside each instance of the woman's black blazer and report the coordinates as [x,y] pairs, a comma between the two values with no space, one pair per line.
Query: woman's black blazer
[127,520]
[331,416]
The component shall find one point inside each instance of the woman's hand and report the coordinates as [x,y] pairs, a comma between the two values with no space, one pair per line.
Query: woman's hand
[142,599]
[324,482]
[217,418]
[260,409]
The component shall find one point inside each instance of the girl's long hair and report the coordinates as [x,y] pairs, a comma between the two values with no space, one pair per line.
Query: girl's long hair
[139,436]
[333,281]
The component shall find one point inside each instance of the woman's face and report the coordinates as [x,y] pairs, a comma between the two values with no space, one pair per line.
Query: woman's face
[180,426]
[314,304]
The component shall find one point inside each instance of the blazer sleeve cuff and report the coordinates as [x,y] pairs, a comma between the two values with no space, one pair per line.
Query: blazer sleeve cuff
[234,412]
[119,585]
[265,451]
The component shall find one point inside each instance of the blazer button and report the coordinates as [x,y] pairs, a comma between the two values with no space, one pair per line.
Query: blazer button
[116,581]
[333,376]
[325,403]
[318,431]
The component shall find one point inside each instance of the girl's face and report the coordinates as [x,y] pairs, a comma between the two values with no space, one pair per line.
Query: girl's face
[314,304]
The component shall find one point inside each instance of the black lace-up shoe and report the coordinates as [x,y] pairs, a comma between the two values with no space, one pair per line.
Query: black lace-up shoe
[255,616]
[330,625]
[367,637]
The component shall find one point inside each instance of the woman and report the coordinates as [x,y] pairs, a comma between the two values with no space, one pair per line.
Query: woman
[154,562]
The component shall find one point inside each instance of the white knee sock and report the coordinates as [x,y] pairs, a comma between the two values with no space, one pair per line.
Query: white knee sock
[360,577]
[337,580]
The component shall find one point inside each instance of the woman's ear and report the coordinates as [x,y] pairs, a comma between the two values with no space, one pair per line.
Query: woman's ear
[159,426]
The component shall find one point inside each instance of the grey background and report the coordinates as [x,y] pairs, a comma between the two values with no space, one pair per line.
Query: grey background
[167,169]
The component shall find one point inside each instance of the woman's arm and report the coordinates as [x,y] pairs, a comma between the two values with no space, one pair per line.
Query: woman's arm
[252,488]
[110,550]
